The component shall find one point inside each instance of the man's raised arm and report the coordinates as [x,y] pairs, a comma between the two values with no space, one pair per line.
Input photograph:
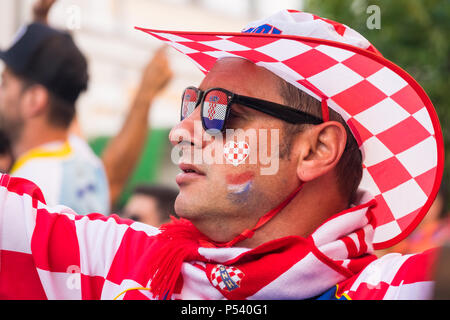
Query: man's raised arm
[123,151]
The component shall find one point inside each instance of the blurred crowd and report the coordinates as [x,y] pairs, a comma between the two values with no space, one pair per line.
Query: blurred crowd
[44,74]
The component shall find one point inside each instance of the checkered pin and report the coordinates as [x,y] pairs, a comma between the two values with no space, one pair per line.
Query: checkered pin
[236,152]
[226,278]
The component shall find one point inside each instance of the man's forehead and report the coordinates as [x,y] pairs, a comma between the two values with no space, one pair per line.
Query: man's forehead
[243,77]
[227,71]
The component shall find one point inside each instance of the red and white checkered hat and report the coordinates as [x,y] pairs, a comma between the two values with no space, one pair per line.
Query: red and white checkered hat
[390,115]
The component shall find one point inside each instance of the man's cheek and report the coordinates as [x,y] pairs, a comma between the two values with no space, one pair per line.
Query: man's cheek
[212,153]
[239,186]
[269,151]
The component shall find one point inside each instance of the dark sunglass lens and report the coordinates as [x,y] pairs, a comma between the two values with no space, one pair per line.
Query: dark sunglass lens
[189,102]
[214,110]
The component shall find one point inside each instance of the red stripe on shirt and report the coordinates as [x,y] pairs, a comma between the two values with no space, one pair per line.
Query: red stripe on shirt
[91,287]
[54,243]
[131,258]
[19,279]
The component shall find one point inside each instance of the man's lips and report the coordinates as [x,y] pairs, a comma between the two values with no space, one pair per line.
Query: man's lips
[190,168]
[189,173]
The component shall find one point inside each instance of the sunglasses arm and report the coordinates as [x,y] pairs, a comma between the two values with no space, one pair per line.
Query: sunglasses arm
[276,110]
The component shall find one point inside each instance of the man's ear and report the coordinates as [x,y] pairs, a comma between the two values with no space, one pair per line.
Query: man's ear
[320,148]
[35,101]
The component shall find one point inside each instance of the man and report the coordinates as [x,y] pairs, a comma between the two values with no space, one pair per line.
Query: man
[306,232]
[152,205]
[44,74]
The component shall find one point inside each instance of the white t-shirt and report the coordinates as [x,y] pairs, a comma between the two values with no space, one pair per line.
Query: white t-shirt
[68,173]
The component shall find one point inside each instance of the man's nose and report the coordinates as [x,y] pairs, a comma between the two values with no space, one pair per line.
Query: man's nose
[189,130]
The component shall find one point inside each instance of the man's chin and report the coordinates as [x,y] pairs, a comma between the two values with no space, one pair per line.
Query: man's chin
[183,207]
[191,206]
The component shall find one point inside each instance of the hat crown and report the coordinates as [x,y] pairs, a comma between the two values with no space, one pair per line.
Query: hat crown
[298,23]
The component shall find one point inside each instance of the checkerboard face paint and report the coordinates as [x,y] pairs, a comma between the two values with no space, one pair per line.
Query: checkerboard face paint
[236,152]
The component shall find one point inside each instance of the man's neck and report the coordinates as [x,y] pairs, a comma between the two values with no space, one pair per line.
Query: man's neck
[301,217]
[33,137]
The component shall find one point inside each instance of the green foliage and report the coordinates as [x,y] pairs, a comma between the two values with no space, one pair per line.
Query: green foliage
[414,34]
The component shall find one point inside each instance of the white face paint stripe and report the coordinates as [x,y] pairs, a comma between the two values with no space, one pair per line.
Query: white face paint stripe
[239,188]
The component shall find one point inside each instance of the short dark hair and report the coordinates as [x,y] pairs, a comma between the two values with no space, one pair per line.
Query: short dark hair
[349,167]
[165,197]
[60,113]
[64,80]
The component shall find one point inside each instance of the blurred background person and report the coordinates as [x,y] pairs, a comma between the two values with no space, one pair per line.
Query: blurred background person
[151,204]
[123,150]
[44,75]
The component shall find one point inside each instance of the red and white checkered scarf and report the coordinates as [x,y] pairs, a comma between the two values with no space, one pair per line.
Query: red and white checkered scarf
[337,250]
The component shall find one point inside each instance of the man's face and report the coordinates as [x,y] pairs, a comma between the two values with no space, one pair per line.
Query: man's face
[233,196]
[11,93]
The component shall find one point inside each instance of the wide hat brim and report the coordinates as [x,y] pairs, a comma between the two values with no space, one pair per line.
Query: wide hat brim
[390,115]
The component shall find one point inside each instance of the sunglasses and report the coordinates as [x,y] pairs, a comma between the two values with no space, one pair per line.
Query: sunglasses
[216,105]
